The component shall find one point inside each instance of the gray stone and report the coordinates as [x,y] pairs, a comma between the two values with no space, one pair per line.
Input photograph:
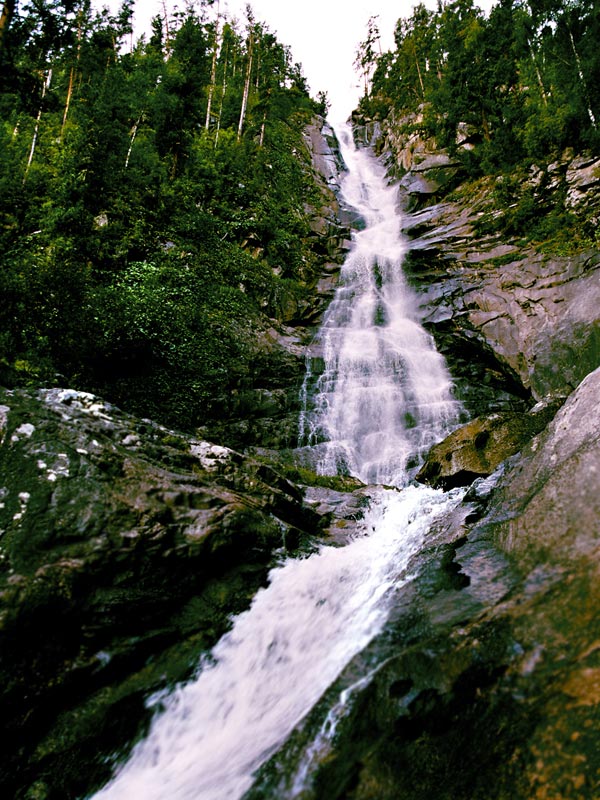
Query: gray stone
[547,507]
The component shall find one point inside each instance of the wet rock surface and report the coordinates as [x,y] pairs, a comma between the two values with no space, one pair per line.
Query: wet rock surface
[485,682]
[475,449]
[531,317]
[124,549]
[515,324]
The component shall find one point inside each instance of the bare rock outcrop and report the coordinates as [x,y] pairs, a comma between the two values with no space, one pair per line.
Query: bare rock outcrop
[529,318]
[546,508]
[533,317]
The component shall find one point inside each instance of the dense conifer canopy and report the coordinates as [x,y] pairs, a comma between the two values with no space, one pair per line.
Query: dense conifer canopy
[152,199]
[518,85]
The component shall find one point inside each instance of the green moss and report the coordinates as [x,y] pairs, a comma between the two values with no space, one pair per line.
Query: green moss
[308,477]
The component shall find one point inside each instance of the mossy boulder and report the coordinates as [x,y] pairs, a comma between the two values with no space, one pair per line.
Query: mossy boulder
[475,449]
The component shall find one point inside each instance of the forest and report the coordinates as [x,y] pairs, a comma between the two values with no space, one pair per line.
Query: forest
[503,90]
[152,201]
[155,192]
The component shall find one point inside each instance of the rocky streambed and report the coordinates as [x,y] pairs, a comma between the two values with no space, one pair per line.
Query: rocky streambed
[125,549]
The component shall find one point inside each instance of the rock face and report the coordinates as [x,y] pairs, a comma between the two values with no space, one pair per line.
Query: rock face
[124,548]
[555,522]
[515,324]
[539,316]
[486,681]
[514,693]
[533,318]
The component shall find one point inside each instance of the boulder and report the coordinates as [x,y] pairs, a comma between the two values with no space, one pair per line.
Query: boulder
[546,508]
[478,447]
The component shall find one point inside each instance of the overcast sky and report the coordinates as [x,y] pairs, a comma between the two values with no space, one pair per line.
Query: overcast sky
[323,35]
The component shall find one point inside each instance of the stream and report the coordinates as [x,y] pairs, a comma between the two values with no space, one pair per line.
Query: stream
[380,397]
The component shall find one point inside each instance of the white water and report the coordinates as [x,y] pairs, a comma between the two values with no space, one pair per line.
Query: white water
[317,613]
[385,395]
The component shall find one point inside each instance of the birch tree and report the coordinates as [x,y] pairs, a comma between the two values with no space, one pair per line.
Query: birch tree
[248,75]
[213,69]
[366,54]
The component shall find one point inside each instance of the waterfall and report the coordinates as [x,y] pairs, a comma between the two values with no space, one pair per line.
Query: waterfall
[383,396]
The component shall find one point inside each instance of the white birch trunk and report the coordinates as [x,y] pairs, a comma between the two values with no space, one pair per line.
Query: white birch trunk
[213,71]
[246,89]
[37,126]
[582,79]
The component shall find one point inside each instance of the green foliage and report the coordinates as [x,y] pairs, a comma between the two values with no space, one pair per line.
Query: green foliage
[172,341]
[521,208]
[523,82]
[143,240]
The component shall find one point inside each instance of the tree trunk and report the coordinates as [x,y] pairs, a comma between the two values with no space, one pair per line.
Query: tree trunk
[213,71]
[586,94]
[223,90]
[538,74]
[262,129]
[37,126]
[134,131]
[72,77]
[167,32]
[419,71]
[67,102]
[246,89]
[8,10]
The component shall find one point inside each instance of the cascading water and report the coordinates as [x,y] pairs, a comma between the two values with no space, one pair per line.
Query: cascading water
[384,396]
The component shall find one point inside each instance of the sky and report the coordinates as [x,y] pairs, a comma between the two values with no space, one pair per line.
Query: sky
[323,35]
